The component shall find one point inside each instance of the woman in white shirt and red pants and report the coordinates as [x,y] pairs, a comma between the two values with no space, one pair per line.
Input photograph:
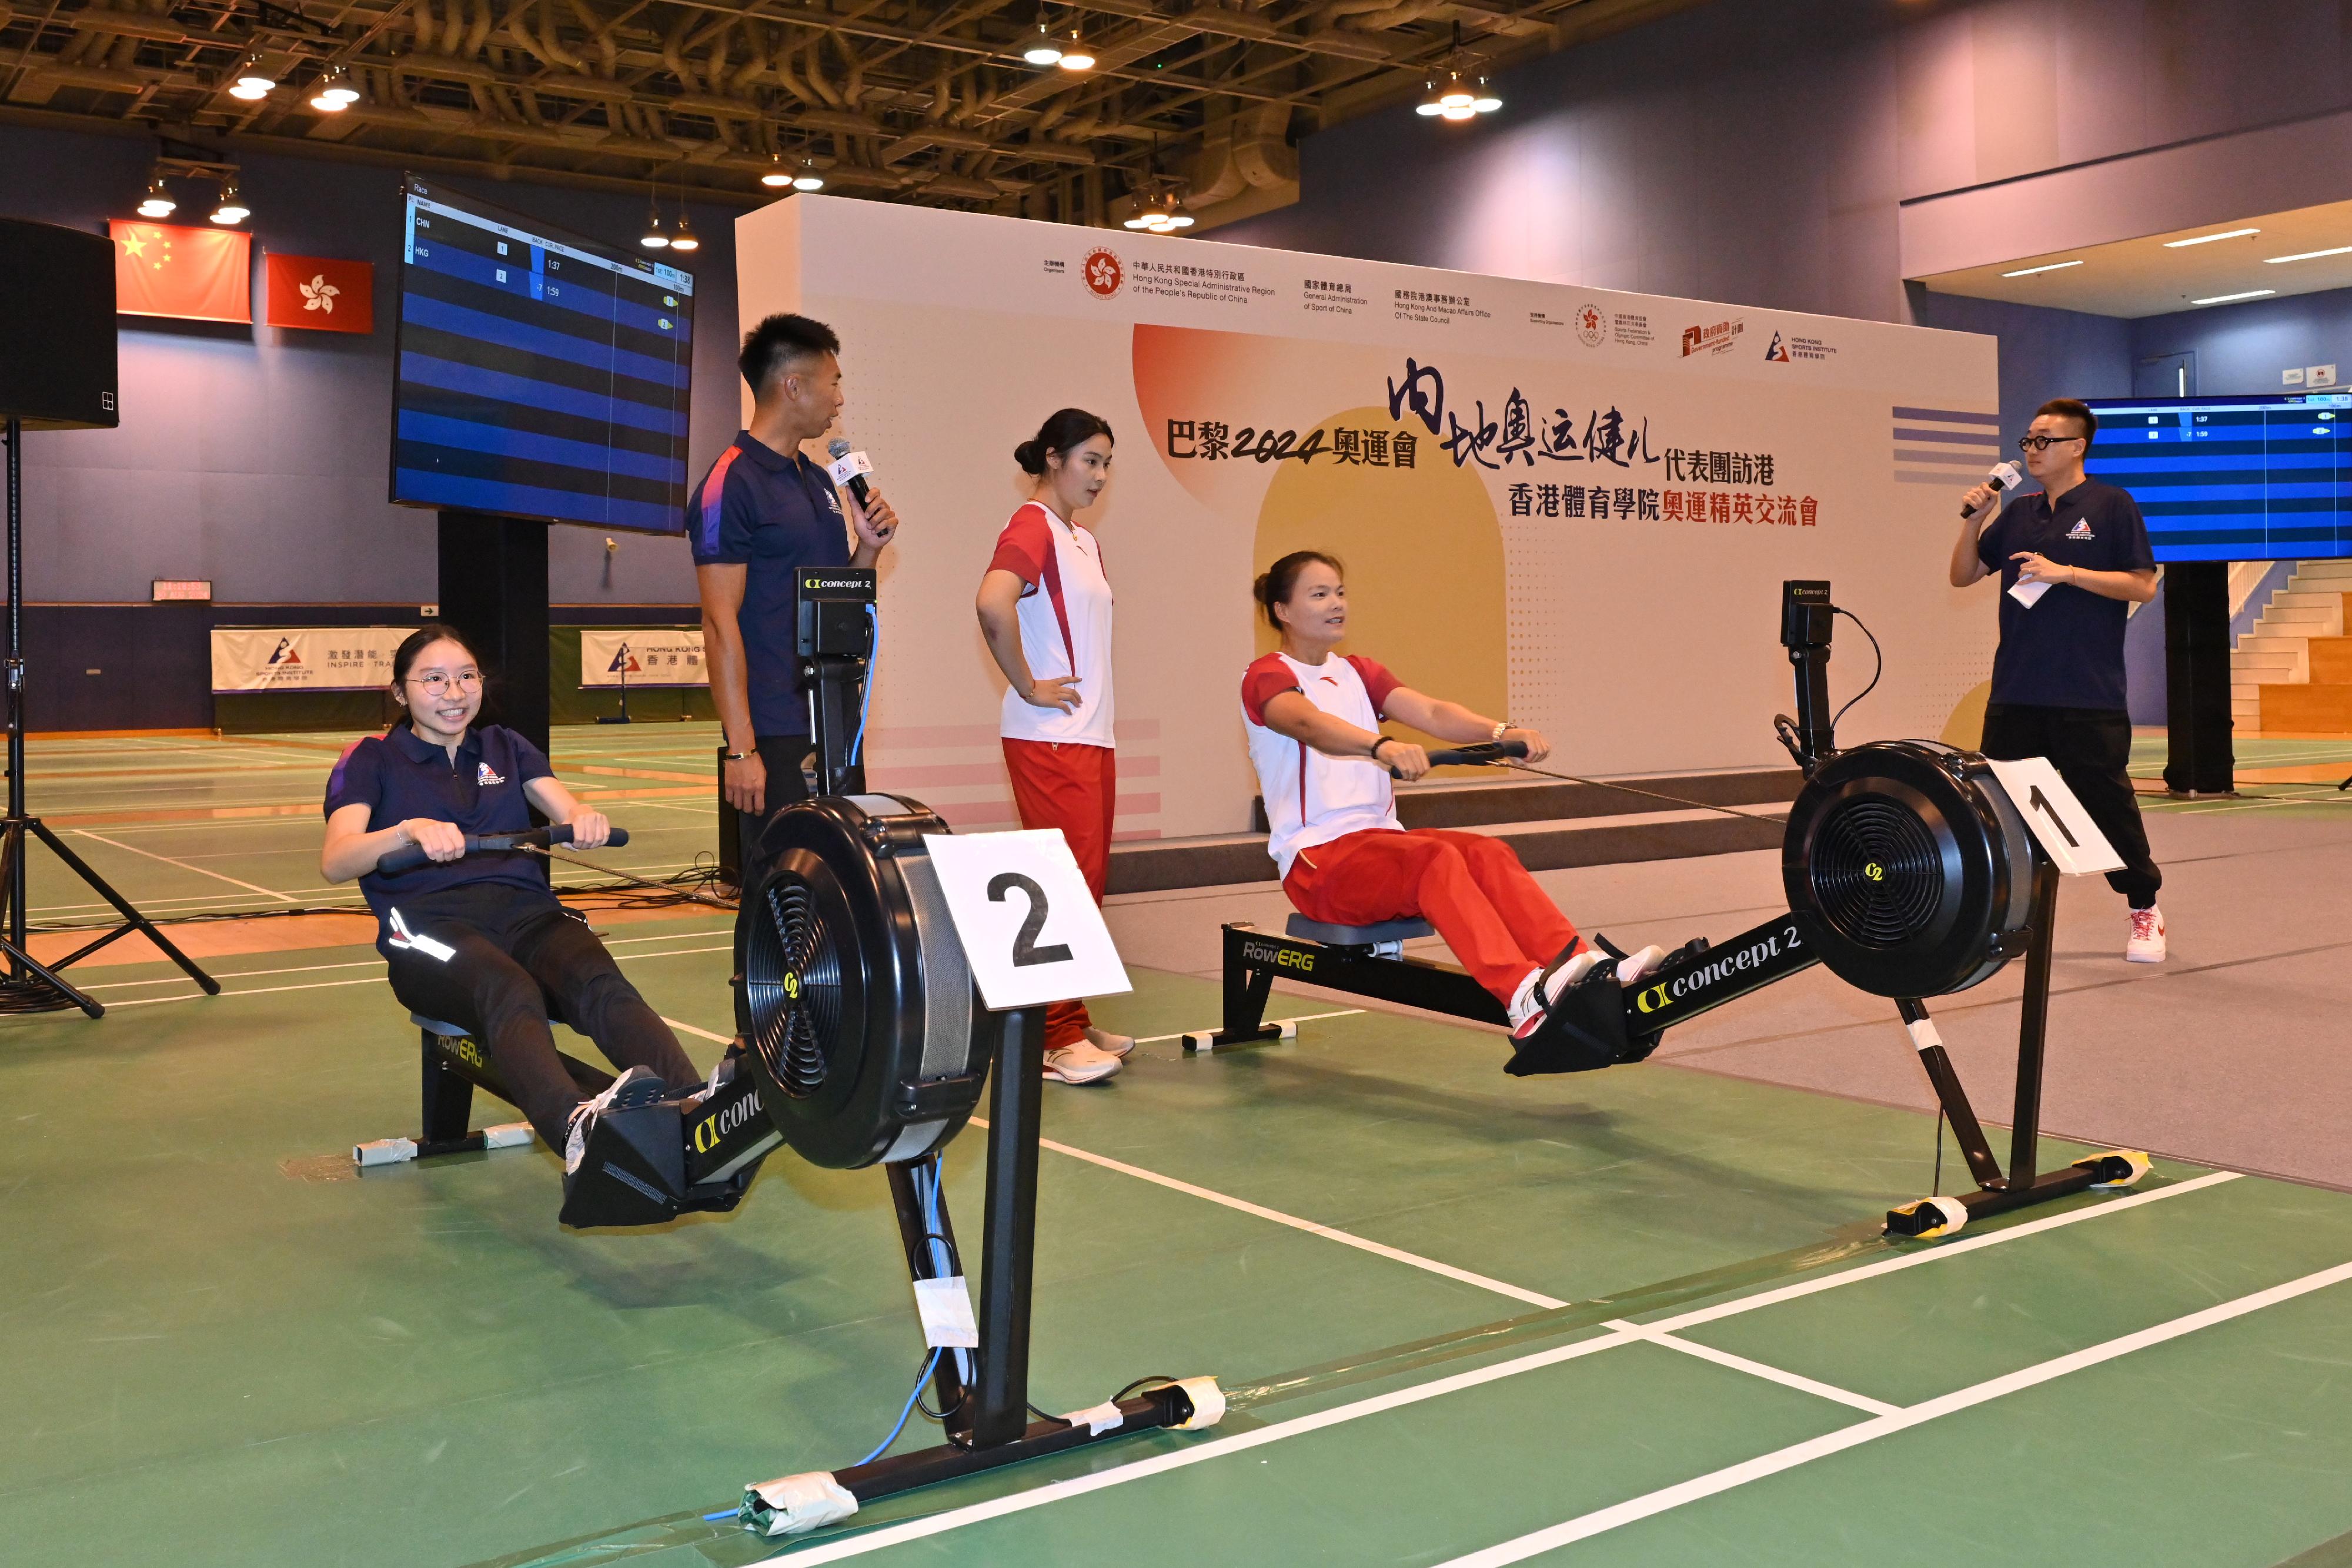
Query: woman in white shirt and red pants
[1313,717]
[1045,609]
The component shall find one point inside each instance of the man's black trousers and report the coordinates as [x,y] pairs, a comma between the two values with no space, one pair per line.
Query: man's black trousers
[513,953]
[2090,747]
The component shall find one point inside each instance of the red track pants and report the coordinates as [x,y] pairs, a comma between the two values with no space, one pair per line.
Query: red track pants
[1499,922]
[1073,787]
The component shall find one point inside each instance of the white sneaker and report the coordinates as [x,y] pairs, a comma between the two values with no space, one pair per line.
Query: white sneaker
[2147,942]
[1110,1044]
[636,1087]
[1080,1062]
[1639,966]
[1526,1007]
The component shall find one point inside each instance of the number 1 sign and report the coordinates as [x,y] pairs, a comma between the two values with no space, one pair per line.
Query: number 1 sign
[1030,929]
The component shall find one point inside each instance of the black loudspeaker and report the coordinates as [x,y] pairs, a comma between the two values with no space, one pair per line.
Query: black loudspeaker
[57,327]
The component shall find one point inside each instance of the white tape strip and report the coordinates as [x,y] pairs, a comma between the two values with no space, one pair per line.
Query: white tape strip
[804,1502]
[1098,1420]
[946,1308]
[1923,1034]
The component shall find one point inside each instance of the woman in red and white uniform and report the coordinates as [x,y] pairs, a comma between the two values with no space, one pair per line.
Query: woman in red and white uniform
[1323,769]
[1045,609]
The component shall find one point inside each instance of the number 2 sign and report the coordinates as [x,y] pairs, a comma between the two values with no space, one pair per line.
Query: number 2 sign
[1030,929]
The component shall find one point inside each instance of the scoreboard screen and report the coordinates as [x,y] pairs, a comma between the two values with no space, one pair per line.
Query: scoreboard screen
[2267,478]
[540,375]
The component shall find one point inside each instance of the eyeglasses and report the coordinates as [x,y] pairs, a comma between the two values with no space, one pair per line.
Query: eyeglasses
[2040,442]
[437,685]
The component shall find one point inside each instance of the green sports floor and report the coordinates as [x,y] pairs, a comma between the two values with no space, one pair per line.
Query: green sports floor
[1639,1317]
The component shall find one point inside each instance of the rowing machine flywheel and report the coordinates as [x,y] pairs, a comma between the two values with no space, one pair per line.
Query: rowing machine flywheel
[1915,869]
[855,994]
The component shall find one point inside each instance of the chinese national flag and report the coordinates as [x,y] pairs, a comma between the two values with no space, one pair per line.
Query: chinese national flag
[317,292]
[203,274]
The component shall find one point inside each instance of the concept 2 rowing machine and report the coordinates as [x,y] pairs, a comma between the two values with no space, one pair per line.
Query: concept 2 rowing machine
[1909,873]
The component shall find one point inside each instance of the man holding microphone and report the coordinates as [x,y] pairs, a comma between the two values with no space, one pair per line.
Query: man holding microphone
[2071,558]
[765,510]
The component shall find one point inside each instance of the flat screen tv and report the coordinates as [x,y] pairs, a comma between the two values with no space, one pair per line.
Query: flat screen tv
[2265,477]
[540,374]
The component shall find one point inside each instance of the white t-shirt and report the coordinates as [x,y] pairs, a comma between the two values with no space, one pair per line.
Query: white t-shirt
[1065,612]
[1312,798]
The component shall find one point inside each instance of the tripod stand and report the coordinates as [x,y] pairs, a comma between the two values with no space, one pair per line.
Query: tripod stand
[29,985]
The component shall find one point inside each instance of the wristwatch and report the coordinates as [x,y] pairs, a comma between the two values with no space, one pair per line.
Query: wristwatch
[740,756]
[1501,726]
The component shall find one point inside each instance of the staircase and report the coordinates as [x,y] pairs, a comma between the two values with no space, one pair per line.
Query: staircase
[2291,674]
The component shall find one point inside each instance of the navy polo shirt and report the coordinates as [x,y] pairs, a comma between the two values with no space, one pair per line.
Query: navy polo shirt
[772,515]
[2067,649]
[401,775]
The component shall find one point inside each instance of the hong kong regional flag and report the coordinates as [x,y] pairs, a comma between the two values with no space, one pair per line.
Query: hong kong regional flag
[313,291]
[204,275]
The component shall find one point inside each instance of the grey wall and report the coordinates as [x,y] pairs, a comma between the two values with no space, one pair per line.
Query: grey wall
[2242,349]
[257,456]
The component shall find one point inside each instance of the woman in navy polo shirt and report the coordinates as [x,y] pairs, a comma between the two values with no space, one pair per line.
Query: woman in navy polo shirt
[480,939]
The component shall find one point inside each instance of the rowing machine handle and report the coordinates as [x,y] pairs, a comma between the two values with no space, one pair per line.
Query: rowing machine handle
[1484,754]
[408,857]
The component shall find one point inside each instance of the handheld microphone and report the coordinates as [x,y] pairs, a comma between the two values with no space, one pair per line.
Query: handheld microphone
[850,468]
[2004,477]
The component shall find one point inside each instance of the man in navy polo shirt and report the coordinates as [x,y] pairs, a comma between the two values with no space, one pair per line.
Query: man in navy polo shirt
[2072,559]
[763,511]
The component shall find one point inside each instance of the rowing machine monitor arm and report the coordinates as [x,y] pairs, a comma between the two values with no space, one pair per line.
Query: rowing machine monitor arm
[1805,616]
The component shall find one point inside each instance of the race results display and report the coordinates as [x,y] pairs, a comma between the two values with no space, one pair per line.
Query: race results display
[539,375]
[2265,477]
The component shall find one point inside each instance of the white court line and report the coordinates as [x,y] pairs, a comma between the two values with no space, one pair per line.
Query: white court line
[1585,1526]
[167,860]
[1217,1447]
[1297,1018]
[371,981]
[1780,1376]
[1394,1254]
[689,1029]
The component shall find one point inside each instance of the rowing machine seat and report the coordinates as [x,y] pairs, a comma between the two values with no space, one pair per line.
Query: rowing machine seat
[435,1025]
[1386,933]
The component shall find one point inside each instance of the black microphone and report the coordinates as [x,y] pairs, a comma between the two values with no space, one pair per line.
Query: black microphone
[839,448]
[2004,477]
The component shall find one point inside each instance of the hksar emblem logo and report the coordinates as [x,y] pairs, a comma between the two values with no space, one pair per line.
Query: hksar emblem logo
[1103,272]
[1588,326]
[320,295]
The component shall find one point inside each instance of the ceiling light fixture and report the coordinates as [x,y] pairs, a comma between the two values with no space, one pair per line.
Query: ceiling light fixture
[1160,214]
[2046,266]
[807,178]
[2229,298]
[682,238]
[252,80]
[158,203]
[1450,95]
[2308,255]
[1044,49]
[776,176]
[1076,56]
[2209,239]
[231,208]
[654,237]
[335,92]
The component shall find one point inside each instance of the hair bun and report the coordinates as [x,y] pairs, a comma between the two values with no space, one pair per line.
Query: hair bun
[1031,458]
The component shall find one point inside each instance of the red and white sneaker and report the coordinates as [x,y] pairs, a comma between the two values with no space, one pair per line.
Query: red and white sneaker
[2147,942]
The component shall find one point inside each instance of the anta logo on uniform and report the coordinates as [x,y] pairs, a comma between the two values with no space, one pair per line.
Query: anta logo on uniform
[485,778]
[2081,530]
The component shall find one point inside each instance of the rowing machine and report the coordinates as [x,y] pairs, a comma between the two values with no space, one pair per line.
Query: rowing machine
[1909,873]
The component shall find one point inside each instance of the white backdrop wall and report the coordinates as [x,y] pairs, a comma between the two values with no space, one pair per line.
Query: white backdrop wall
[1752,444]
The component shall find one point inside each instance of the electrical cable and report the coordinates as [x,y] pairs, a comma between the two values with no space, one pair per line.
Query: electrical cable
[1936,1184]
[866,698]
[1873,674]
[917,1392]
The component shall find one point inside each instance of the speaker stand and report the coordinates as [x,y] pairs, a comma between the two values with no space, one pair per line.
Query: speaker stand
[29,985]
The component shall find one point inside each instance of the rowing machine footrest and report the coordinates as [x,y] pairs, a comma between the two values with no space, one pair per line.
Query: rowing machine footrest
[1201,1039]
[633,1171]
[1383,934]
[2117,1168]
[1586,1031]
[1927,1219]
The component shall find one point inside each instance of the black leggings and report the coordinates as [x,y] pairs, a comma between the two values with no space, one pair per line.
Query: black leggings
[514,952]
[2090,749]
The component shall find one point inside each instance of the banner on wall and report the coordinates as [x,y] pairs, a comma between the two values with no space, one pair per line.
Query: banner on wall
[1569,506]
[642,656]
[304,659]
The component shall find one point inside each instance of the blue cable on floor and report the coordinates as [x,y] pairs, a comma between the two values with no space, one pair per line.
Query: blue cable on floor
[912,1394]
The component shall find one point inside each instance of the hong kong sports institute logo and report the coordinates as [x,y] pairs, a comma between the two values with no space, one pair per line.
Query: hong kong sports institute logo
[1590,325]
[1103,272]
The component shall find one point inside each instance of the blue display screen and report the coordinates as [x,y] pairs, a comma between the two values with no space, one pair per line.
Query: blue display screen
[539,375]
[2233,479]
